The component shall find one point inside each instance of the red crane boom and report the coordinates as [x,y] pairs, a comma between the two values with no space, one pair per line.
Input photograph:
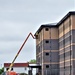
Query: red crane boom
[20,50]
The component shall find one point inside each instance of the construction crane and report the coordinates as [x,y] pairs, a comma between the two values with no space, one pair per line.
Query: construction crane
[11,65]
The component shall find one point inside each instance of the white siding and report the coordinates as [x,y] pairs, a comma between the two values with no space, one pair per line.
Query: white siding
[21,70]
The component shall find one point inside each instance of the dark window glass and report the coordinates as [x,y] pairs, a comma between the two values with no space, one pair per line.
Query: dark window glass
[47,66]
[46,29]
[47,53]
[47,41]
[7,69]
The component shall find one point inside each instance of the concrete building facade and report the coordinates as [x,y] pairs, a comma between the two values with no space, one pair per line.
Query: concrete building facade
[55,44]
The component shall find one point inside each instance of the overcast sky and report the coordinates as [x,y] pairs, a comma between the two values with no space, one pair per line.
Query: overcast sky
[19,17]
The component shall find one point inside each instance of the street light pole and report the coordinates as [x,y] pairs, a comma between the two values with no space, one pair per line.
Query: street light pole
[1,65]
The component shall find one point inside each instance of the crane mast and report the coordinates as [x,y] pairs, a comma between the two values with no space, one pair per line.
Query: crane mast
[20,50]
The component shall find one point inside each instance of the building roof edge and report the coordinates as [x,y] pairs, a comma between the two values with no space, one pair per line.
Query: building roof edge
[65,17]
[45,25]
[55,25]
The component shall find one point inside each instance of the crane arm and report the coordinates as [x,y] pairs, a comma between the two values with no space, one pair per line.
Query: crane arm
[20,50]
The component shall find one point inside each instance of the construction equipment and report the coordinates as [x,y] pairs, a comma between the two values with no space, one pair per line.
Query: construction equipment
[20,50]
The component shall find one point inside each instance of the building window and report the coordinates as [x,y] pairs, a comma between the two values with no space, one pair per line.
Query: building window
[47,66]
[7,69]
[47,54]
[46,29]
[47,41]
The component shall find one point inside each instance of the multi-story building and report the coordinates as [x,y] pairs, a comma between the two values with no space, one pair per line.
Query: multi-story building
[55,47]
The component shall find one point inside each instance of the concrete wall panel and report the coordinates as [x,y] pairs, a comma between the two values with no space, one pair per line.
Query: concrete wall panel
[73,21]
[54,33]
[46,33]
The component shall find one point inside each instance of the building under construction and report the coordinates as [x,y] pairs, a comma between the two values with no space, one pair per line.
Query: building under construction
[55,47]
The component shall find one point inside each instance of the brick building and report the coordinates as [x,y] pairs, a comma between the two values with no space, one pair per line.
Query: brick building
[55,46]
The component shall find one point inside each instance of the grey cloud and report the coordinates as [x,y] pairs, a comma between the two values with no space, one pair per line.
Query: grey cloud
[35,5]
[8,54]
